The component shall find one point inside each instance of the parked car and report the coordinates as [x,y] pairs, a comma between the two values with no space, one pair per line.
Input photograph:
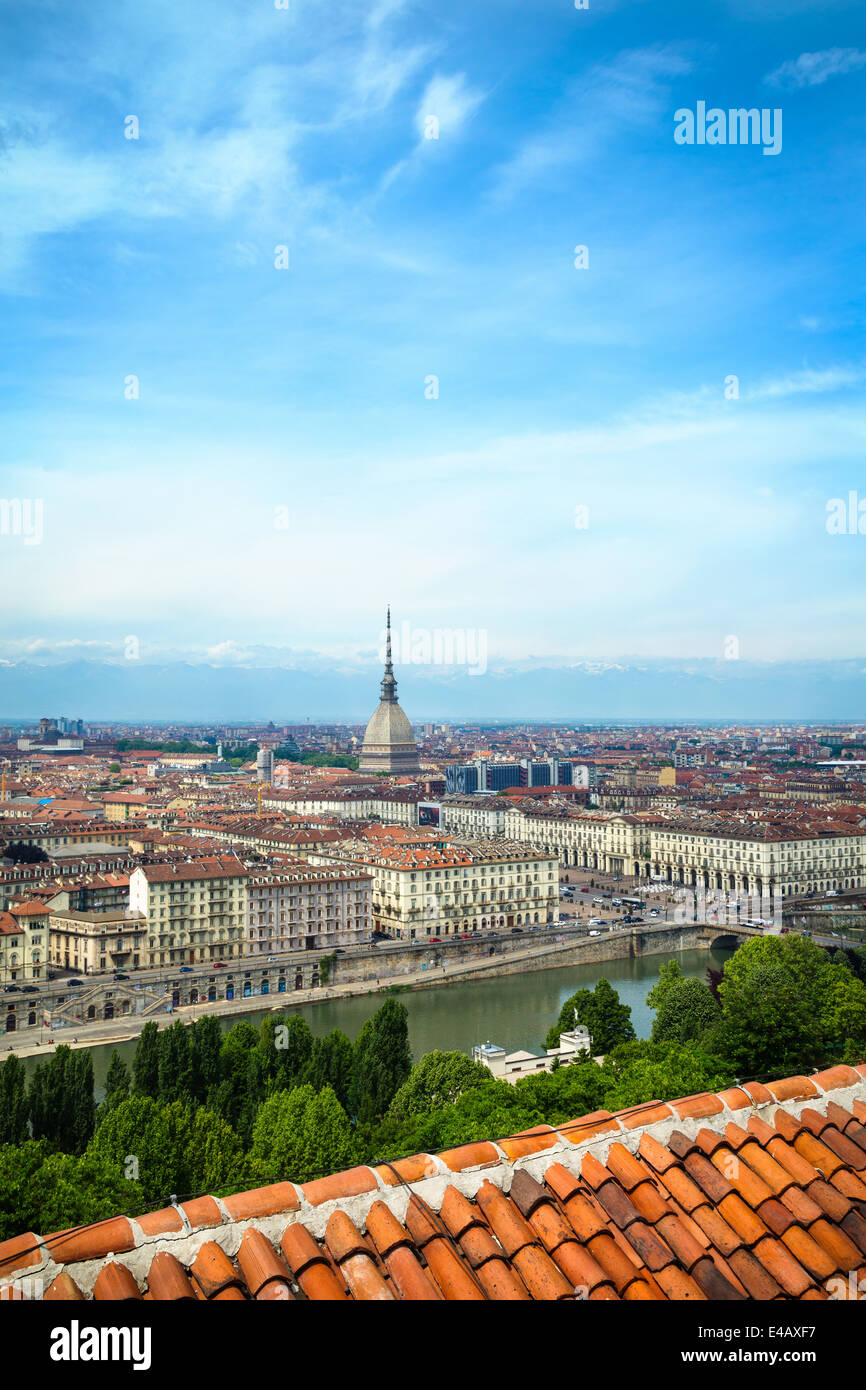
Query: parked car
[220,965]
[339,951]
[184,970]
[596,922]
[12,989]
[595,933]
[516,931]
[29,989]
[271,957]
[73,982]
[120,976]
[436,939]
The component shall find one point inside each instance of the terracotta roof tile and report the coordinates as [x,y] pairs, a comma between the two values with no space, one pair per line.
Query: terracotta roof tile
[743,1209]
[212,1269]
[115,1284]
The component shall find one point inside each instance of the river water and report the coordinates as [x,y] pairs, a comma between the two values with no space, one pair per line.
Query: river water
[512,1010]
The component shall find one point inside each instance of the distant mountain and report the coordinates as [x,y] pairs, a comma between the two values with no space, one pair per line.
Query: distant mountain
[646,690]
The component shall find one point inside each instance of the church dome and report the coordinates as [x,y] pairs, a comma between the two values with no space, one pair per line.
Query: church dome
[389,744]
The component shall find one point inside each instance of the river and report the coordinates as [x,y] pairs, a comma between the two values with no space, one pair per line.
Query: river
[512,1010]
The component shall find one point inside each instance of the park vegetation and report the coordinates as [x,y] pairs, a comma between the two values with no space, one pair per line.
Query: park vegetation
[200,1110]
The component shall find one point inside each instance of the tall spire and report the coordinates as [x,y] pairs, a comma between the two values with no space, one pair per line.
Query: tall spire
[389,684]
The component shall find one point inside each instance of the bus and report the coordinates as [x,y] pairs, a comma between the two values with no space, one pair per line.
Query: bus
[634,904]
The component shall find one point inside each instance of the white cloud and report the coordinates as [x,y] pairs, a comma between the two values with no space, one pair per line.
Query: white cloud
[626,93]
[450,100]
[812,69]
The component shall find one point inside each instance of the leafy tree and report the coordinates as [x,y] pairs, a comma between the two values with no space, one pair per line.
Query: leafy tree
[329,1141]
[278,1139]
[117,1080]
[13,1101]
[687,1010]
[638,1072]
[20,852]
[242,1081]
[43,1191]
[61,1103]
[599,1010]
[330,1064]
[670,974]
[439,1079]
[175,1148]
[205,1041]
[286,1045]
[788,1008]
[145,1063]
[381,1061]
[174,1063]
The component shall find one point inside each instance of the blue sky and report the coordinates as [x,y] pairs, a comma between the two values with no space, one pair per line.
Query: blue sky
[303,389]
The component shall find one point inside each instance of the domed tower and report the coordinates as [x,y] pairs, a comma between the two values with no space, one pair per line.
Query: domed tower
[389,744]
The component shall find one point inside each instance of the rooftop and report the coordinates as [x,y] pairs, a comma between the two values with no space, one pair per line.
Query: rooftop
[757,1192]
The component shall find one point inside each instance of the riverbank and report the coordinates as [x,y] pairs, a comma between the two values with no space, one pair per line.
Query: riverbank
[610,947]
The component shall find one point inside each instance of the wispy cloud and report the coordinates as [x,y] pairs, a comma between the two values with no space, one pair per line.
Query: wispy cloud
[812,69]
[612,97]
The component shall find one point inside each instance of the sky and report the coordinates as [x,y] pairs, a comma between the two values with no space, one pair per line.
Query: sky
[296,323]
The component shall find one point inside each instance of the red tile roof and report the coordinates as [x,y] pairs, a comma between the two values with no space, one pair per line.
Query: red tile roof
[758,1192]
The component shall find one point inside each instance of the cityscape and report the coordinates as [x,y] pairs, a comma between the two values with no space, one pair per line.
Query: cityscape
[432,722]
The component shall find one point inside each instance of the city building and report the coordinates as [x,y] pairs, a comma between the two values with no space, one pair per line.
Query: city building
[195,911]
[462,887]
[306,909]
[95,942]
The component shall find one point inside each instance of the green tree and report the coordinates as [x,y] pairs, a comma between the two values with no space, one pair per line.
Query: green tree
[670,974]
[687,1010]
[145,1063]
[174,1063]
[439,1079]
[60,1099]
[278,1135]
[242,1081]
[117,1080]
[788,1008]
[638,1072]
[176,1148]
[330,1064]
[205,1040]
[601,1011]
[381,1061]
[329,1141]
[13,1101]
[286,1045]
[43,1191]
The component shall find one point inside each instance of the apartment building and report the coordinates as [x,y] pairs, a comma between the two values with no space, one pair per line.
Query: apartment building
[93,942]
[304,908]
[24,943]
[465,886]
[195,911]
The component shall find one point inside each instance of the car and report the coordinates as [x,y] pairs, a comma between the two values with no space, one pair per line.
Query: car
[436,939]
[184,970]
[73,983]
[467,936]
[29,989]
[653,912]
[339,951]
[584,890]
[271,957]
[616,902]
[12,989]
[595,933]
[533,928]
[516,931]
[595,922]
[220,965]
[120,976]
